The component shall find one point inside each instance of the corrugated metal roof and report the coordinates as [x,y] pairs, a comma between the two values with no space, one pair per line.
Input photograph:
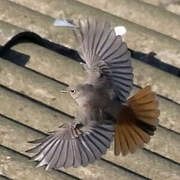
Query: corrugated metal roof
[30,97]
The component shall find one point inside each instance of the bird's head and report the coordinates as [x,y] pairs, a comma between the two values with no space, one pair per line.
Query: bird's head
[80,93]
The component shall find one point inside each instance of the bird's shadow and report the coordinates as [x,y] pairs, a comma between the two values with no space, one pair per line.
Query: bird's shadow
[21,59]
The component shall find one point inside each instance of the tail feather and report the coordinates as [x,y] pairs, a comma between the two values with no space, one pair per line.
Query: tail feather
[137,139]
[117,143]
[123,144]
[143,135]
[130,142]
[137,122]
[149,121]
[144,92]
[153,105]
[149,98]
[145,106]
[152,114]
[146,127]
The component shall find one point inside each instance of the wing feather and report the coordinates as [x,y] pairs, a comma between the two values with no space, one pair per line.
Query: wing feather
[73,146]
[54,159]
[106,54]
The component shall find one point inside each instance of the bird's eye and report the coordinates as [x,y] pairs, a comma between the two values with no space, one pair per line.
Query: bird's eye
[73,91]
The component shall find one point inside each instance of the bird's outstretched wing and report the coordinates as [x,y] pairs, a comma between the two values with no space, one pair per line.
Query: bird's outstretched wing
[73,145]
[106,56]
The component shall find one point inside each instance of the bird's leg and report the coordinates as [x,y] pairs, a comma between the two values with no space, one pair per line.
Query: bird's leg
[75,123]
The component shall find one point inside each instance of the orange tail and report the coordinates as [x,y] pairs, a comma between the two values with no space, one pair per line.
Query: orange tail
[137,122]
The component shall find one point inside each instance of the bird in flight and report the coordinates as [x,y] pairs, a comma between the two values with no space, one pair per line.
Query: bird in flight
[104,110]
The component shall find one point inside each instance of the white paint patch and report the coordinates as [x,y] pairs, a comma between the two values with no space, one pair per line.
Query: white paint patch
[63,23]
[120,30]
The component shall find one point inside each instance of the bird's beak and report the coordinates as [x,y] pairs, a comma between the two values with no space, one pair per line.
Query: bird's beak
[64,91]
